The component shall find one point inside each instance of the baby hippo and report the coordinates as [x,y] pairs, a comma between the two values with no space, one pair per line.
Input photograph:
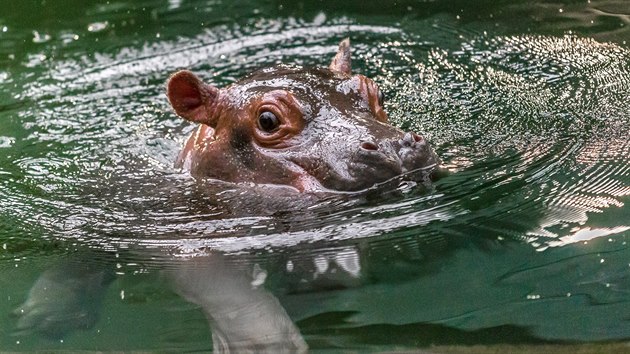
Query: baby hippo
[313,129]
[308,130]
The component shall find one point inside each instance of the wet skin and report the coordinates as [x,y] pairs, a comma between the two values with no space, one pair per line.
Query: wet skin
[314,129]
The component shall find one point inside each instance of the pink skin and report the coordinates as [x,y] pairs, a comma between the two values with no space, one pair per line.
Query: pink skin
[330,131]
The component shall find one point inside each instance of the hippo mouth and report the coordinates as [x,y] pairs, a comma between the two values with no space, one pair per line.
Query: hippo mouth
[368,167]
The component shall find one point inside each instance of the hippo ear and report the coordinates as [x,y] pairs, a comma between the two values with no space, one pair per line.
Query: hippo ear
[342,62]
[191,98]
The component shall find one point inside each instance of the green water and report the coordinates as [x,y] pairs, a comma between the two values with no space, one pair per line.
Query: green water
[525,242]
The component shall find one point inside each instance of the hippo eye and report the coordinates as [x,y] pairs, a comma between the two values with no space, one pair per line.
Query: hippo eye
[381,97]
[268,121]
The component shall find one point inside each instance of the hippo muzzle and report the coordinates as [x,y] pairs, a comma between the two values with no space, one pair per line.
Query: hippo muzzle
[408,157]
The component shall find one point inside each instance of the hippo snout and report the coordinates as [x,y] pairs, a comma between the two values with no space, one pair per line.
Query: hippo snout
[414,153]
[391,157]
[410,152]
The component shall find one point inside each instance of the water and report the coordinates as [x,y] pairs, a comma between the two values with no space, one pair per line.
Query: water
[526,102]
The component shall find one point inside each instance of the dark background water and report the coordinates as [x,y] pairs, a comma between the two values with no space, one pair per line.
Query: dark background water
[527,102]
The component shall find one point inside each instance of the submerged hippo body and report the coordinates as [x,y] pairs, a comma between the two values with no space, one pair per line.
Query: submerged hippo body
[314,129]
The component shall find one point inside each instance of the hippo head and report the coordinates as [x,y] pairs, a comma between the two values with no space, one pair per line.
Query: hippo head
[315,129]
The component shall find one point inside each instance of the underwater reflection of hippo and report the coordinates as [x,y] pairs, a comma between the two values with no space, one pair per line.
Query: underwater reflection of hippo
[314,129]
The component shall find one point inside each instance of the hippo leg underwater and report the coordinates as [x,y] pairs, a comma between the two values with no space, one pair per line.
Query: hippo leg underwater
[304,131]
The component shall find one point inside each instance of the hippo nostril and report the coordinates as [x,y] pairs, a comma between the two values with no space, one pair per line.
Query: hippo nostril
[410,139]
[366,145]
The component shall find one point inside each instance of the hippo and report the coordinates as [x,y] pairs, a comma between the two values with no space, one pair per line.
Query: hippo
[299,131]
[312,129]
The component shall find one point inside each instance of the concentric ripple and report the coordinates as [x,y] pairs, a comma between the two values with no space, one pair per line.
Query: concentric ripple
[527,232]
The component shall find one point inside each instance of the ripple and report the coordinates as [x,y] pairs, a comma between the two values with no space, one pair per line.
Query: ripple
[510,113]
[6,141]
[207,49]
[551,106]
[586,234]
